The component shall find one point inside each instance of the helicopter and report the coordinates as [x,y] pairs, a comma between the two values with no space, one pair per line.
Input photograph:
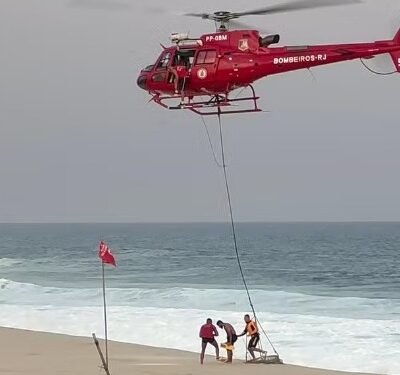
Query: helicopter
[200,74]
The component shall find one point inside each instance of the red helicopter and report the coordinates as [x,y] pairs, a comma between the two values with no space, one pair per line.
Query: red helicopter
[215,64]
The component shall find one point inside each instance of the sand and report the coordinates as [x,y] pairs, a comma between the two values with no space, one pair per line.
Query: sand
[34,353]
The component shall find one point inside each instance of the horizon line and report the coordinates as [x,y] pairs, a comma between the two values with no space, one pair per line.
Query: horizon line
[210,222]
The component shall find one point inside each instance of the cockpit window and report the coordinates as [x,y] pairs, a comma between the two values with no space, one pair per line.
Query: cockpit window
[206,57]
[148,68]
[164,62]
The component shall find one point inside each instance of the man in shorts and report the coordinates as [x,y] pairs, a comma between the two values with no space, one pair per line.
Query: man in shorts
[251,330]
[231,338]
[207,334]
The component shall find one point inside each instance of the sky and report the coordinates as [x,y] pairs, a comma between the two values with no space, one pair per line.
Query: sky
[79,141]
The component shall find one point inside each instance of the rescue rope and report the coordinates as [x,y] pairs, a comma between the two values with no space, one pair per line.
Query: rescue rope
[234,231]
[211,145]
[374,72]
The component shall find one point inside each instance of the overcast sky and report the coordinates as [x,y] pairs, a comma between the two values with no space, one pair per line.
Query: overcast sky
[79,142]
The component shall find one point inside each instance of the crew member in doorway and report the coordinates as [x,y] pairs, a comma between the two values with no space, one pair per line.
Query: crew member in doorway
[231,338]
[207,334]
[179,71]
[252,331]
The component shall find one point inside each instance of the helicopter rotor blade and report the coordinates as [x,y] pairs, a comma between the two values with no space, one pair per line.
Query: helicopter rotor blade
[295,5]
[204,16]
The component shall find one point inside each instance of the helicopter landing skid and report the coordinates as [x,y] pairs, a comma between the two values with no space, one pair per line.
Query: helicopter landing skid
[214,106]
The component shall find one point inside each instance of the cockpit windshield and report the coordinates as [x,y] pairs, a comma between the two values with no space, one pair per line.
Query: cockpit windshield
[148,68]
[164,61]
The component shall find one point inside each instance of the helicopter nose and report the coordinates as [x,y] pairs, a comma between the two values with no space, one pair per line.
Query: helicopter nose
[142,81]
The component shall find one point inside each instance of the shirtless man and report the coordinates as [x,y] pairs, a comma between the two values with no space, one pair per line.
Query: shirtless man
[231,338]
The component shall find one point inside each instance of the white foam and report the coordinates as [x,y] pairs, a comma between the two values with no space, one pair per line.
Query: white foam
[215,299]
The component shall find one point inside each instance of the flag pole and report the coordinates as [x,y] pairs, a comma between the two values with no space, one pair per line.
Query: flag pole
[105,313]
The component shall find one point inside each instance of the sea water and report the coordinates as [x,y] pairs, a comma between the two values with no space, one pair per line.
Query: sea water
[327,295]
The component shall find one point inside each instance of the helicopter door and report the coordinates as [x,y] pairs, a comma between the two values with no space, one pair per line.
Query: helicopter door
[205,66]
[160,74]
[181,65]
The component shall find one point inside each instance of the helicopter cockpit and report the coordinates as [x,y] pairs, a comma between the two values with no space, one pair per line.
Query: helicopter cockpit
[165,68]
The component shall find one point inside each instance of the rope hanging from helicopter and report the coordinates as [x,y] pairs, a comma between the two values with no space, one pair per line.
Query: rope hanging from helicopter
[210,143]
[232,222]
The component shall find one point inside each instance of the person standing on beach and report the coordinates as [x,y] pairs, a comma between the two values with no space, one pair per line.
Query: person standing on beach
[231,338]
[252,331]
[207,334]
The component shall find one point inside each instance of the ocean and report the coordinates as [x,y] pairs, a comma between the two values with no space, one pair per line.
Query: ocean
[327,294]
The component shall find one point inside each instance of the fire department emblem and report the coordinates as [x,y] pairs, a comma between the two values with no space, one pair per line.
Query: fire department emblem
[202,73]
[243,44]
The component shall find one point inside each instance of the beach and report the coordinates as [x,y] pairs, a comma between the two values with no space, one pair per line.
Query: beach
[34,353]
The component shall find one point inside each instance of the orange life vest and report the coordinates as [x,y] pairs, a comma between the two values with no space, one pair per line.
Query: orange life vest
[251,328]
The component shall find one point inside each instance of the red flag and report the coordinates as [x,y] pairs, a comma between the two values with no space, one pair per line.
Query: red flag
[105,254]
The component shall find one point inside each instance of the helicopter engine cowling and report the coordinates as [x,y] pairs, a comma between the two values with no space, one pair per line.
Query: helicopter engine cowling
[269,39]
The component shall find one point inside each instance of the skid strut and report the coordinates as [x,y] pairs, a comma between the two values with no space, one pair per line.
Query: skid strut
[217,104]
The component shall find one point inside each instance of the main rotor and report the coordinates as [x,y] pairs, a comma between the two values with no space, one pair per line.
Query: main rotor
[223,19]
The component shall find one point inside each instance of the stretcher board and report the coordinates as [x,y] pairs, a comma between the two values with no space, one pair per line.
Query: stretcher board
[267,359]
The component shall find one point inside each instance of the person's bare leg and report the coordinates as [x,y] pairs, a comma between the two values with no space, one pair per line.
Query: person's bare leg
[227,354]
[203,350]
[230,356]
[215,345]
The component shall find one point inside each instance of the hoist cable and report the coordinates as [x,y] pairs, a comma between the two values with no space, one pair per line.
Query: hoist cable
[234,230]
[211,145]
